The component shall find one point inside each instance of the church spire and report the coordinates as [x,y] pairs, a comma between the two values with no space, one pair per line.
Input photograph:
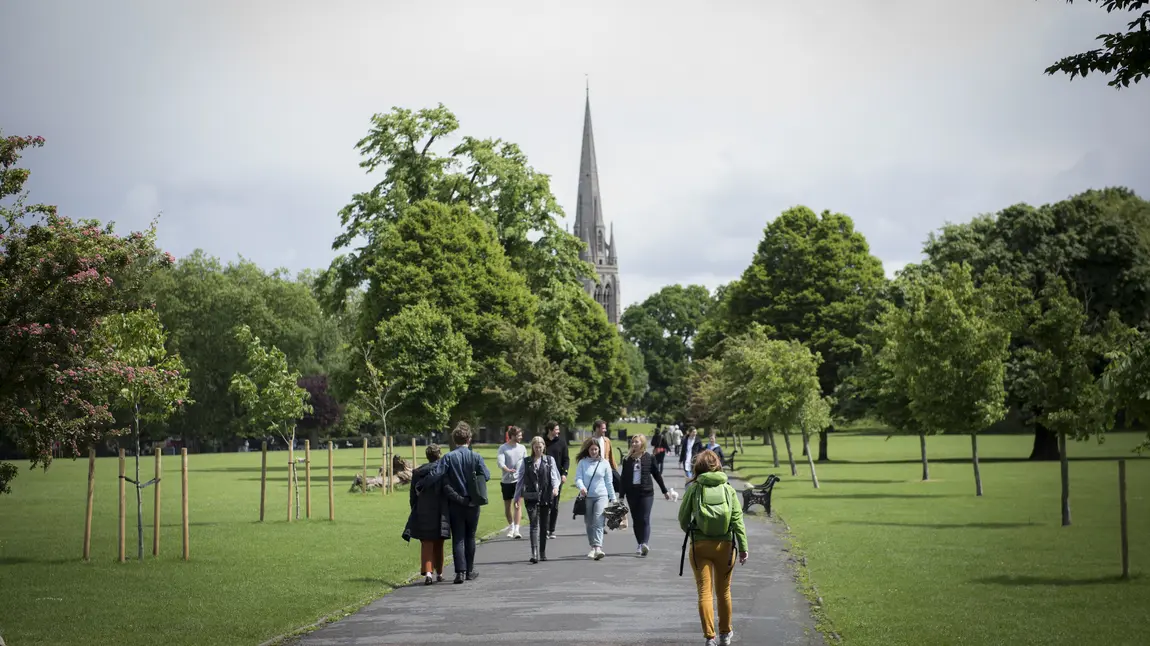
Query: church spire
[589,210]
[612,259]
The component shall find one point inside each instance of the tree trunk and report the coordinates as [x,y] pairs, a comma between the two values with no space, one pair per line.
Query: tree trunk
[774,446]
[790,454]
[139,500]
[925,464]
[1045,444]
[823,456]
[977,473]
[1065,480]
[766,439]
[811,462]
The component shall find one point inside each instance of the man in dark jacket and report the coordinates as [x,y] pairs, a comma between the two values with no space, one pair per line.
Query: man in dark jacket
[455,469]
[557,449]
[429,522]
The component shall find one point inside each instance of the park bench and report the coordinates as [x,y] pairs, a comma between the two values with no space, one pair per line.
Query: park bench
[760,494]
[729,462]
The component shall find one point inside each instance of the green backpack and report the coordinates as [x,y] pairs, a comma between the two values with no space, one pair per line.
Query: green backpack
[712,515]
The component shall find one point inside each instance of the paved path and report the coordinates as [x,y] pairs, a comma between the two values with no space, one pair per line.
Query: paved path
[621,600]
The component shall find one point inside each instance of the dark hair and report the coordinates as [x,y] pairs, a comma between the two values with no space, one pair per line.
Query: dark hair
[462,434]
[550,426]
[433,452]
[585,450]
[599,423]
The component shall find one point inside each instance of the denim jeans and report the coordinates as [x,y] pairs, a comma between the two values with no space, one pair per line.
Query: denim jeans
[464,524]
[640,504]
[595,520]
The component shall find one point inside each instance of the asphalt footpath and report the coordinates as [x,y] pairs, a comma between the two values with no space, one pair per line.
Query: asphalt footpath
[620,600]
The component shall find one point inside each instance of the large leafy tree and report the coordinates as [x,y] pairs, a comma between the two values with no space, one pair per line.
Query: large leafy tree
[1125,56]
[142,377]
[326,410]
[950,351]
[535,389]
[1098,242]
[663,327]
[814,280]
[58,278]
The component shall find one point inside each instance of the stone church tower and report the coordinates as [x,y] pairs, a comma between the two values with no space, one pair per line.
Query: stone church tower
[592,231]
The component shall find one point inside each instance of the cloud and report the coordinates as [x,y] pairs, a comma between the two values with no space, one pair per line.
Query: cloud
[238,120]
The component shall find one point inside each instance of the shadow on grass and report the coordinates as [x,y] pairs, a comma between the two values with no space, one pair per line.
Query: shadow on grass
[23,560]
[860,481]
[871,496]
[993,460]
[1026,580]
[190,524]
[876,523]
[389,583]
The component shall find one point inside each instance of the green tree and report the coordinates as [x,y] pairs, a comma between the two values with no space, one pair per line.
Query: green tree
[663,328]
[814,280]
[417,368]
[269,393]
[1095,241]
[1126,55]
[58,278]
[639,379]
[535,389]
[950,353]
[143,377]
[1126,381]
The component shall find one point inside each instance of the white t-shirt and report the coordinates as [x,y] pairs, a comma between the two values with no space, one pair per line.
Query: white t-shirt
[637,472]
[511,457]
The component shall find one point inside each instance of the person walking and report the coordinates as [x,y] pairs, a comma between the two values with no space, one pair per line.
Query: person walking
[659,448]
[538,485]
[457,469]
[691,448]
[510,457]
[712,444]
[638,472]
[557,449]
[713,520]
[593,479]
[429,522]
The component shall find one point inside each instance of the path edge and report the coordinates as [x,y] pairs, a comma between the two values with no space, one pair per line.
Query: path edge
[293,635]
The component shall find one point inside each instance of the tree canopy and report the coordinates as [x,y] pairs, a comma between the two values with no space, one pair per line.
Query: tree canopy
[1125,56]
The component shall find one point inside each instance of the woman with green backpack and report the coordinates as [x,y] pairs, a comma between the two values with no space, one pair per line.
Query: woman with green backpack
[713,520]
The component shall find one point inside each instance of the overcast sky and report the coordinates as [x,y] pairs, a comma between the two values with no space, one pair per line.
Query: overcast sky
[237,120]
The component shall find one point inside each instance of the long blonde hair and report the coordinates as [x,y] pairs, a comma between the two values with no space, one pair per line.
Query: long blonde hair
[638,453]
[542,446]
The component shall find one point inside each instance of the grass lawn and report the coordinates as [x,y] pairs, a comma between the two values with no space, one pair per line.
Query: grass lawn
[246,582]
[901,561]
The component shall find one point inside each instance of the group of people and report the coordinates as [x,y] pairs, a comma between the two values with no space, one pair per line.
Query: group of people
[444,503]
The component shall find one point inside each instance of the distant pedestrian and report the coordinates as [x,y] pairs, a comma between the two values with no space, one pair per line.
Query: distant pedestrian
[458,469]
[659,448]
[638,472]
[557,449]
[510,457]
[593,479]
[691,448]
[538,486]
[429,522]
[711,517]
[712,444]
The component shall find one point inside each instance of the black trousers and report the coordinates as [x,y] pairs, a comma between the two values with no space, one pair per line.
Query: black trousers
[536,516]
[553,512]
[659,462]
[464,521]
[640,504]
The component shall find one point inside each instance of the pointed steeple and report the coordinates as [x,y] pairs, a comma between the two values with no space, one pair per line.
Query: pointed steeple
[589,210]
[612,259]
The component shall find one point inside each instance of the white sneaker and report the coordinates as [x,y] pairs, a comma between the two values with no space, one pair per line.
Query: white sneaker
[711,641]
[639,550]
[643,549]
[592,554]
[725,638]
[550,536]
[511,531]
[599,554]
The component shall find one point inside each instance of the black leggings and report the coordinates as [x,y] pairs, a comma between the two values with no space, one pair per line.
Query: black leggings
[640,504]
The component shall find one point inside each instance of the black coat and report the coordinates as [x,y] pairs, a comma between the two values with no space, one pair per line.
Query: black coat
[646,474]
[698,448]
[428,509]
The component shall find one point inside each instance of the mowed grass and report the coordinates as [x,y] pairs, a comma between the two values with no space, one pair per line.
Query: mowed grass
[246,582]
[898,561]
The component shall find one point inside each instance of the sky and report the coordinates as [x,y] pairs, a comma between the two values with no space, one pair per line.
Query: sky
[236,121]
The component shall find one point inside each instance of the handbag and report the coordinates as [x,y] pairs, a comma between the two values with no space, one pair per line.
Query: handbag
[477,485]
[580,508]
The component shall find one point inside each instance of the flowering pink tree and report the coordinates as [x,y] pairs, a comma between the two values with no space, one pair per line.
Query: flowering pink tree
[58,278]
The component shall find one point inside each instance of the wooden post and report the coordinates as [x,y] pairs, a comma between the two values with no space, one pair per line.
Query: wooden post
[91,499]
[414,455]
[330,481]
[383,464]
[263,479]
[123,511]
[1122,519]
[365,466]
[184,478]
[291,491]
[156,515]
[307,476]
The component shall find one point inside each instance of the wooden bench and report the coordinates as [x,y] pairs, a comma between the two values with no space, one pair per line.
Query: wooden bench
[760,494]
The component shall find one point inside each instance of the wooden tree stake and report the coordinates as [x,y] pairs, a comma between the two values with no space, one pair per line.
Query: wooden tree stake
[330,481]
[123,510]
[156,516]
[365,466]
[291,469]
[307,476]
[1122,519]
[91,499]
[263,479]
[184,478]
[414,455]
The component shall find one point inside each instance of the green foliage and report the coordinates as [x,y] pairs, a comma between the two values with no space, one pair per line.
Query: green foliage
[639,378]
[142,375]
[663,327]
[58,278]
[813,280]
[417,369]
[948,352]
[535,389]
[268,391]
[1126,381]
[1126,55]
